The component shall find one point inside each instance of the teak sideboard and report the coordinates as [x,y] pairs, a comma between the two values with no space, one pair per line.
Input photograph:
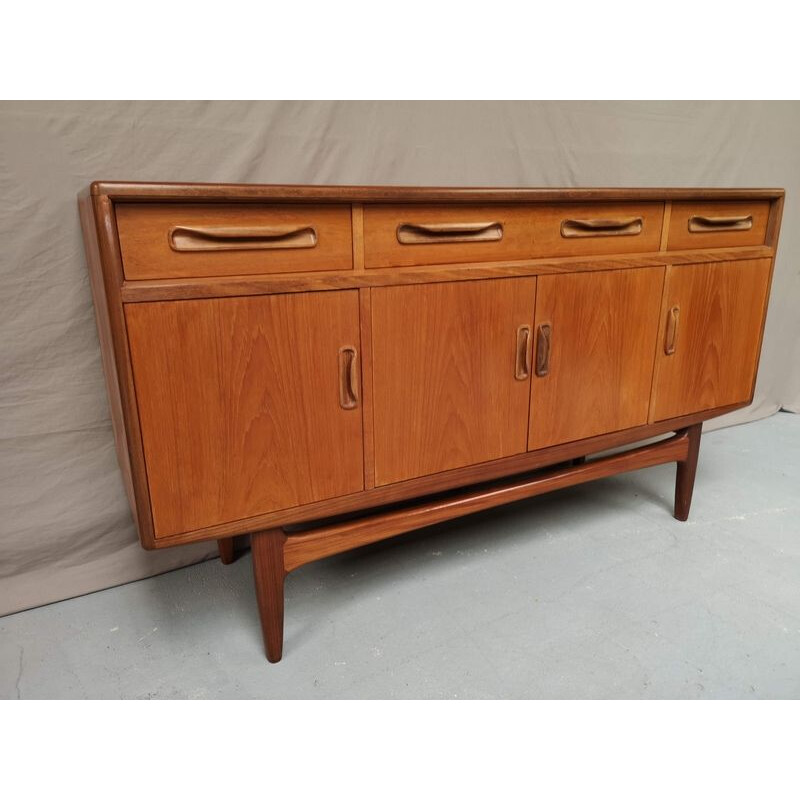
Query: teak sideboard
[322,367]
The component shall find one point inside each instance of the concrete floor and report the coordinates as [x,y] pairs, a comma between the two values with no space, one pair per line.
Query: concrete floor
[591,592]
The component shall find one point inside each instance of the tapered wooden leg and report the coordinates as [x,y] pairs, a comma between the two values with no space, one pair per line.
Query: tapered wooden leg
[269,574]
[684,480]
[227,555]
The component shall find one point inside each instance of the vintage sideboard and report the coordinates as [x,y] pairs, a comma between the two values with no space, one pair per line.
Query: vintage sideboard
[326,366]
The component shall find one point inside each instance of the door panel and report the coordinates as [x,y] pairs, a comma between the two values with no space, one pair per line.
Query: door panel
[240,404]
[712,319]
[446,361]
[603,328]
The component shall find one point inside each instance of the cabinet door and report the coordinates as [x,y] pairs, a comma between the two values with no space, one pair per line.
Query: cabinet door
[710,336]
[451,374]
[595,342]
[241,404]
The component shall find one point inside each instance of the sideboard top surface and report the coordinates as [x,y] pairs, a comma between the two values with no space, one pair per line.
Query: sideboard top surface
[209,192]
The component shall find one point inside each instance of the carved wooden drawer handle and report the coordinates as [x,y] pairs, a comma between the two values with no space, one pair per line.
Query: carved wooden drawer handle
[447,232]
[700,224]
[582,228]
[671,336]
[523,364]
[185,239]
[348,378]
[543,351]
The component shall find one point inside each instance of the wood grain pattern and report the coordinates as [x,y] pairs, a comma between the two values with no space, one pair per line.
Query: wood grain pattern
[146,253]
[358,237]
[239,405]
[189,289]
[365,319]
[444,361]
[680,238]
[665,226]
[603,333]
[303,548]
[722,307]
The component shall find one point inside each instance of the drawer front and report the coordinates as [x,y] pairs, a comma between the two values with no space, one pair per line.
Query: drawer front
[174,240]
[694,226]
[413,235]
[586,229]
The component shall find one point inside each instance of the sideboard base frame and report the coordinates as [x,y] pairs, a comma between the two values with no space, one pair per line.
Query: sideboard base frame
[276,553]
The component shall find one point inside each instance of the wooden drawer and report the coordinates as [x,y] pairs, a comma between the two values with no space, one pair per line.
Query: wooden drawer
[694,226]
[587,229]
[174,240]
[414,235]
[411,235]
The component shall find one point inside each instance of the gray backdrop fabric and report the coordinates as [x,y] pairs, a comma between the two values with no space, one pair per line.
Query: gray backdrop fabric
[65,527]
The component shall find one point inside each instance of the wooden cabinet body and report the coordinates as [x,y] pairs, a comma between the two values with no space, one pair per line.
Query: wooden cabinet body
[285,355]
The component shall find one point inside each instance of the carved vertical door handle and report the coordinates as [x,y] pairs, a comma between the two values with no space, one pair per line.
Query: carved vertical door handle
[544,334]
[523,363]
[671,335]
[348,378]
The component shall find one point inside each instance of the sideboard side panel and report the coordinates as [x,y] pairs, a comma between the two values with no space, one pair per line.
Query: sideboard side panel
[105,275]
